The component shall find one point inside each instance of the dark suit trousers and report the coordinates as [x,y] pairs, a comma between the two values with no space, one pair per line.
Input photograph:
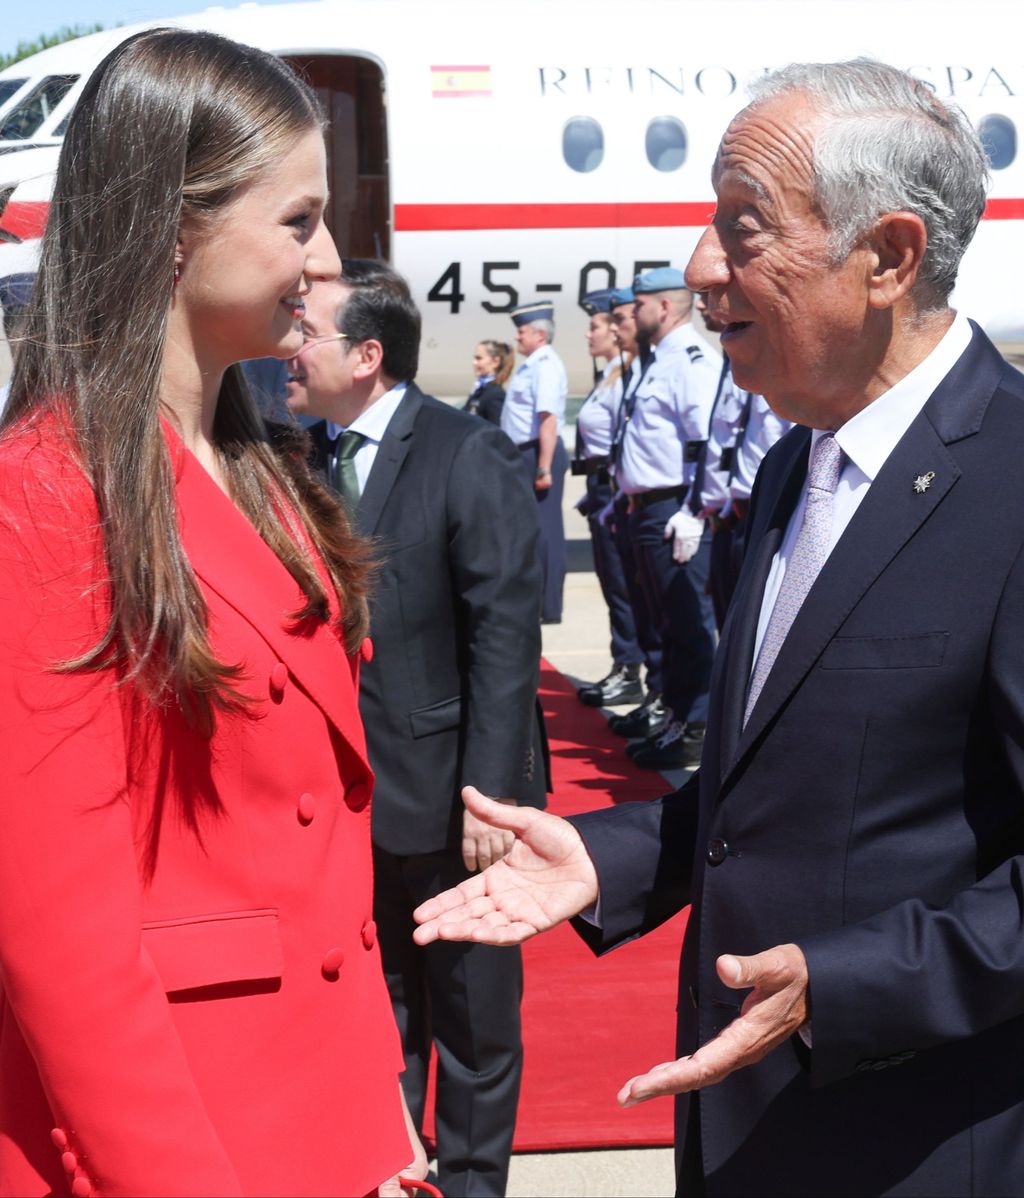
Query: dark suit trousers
[463,998]
[612,577]
[677,598]
[726,559]
[551,544]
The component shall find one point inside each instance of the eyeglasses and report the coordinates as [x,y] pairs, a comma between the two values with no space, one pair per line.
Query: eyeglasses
[308,342]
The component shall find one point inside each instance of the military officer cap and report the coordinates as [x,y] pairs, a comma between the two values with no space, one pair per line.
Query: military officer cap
[620,296]
[597,301]
[528,313]
[664,278]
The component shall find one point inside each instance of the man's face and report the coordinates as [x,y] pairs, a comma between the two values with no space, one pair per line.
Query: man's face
[647,315]
[529,338]
[624,328]
[712,325]
[319,374]
[794,326]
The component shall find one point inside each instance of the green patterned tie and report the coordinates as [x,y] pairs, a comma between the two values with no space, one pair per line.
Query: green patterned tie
[343,469]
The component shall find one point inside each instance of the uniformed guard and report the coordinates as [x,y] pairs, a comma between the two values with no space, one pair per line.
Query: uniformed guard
[656,464]
[743,429]
[596,423]
[532,417]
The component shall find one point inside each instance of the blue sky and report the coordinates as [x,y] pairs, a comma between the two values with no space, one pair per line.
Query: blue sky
[24,22]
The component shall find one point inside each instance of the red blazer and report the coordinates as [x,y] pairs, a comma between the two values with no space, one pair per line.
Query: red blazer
[192,999]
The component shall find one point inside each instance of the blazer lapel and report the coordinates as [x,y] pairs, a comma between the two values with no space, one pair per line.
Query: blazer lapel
[230,557]
[388,462]
[737,649]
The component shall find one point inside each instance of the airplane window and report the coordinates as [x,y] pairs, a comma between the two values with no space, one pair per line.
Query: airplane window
[8,87]
[25,118]
[666,143]
[999,137]
[583,144]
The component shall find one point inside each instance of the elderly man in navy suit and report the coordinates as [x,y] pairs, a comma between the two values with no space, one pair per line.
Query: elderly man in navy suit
[852,983]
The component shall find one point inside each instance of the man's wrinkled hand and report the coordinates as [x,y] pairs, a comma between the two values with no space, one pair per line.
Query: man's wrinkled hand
[547,877]
[482,845]
[776,1007]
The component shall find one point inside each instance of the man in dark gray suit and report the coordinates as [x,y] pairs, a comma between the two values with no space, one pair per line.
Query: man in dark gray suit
[448,694]
[851,1011]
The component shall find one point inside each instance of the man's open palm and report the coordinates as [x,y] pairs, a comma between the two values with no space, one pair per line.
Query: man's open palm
[546,878]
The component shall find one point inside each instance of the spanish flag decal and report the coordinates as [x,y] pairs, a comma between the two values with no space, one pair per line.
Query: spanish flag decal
[457,83]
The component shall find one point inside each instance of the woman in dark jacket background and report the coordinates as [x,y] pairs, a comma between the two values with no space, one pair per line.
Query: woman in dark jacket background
[492,364]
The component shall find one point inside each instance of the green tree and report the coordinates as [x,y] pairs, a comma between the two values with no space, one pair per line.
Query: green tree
[44,41]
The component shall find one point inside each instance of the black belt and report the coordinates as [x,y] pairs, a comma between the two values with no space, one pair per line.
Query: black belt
[524,445]
[644,499]
[590,466]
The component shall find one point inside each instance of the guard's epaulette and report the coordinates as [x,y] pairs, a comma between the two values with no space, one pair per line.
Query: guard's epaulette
[695,353]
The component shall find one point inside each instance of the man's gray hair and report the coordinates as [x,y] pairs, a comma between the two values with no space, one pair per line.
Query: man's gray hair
[547,327]
[891,146]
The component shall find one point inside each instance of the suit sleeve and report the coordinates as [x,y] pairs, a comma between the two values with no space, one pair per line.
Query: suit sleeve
[86,997]
[917,975]
[492,520]
[643,854]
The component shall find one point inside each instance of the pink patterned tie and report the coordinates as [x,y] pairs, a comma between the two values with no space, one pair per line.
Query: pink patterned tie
[809,556]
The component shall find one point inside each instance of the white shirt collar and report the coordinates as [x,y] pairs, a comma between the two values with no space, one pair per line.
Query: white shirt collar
[373,423]
[868,438]
[676,337]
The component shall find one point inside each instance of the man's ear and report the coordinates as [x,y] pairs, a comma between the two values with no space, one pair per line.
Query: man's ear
[369,359]
[899,241]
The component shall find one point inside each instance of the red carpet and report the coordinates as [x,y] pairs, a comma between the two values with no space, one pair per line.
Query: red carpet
[590,1024]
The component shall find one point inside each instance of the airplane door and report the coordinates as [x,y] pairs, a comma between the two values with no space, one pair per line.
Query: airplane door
[351,93]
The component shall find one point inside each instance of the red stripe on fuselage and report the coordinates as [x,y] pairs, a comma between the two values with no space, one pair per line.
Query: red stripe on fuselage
[457,218]
[27,218]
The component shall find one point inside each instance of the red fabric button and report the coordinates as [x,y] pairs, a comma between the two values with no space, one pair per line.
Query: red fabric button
[279,676]
[307,807]
[366,649]
[69,1161]
[357,796]
[369,933]
[81,1187]
[333,962]
[59,1137]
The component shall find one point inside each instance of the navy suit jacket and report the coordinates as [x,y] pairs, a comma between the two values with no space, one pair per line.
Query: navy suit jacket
[872,811]
[449,697]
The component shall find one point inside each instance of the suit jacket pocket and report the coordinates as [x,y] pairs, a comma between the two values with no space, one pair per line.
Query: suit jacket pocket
[208,950]
[921,651]
[438,717]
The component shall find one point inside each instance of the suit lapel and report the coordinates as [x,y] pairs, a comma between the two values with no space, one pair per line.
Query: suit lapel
[890,514]
[737,648]
[232,559]
[387,464]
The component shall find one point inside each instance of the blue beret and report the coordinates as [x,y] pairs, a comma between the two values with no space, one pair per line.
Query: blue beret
[665,278]
[16,290]
[597,301]
[622,295]
[537,310]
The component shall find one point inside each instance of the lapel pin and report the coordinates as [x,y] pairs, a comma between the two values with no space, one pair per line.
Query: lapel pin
[923,482]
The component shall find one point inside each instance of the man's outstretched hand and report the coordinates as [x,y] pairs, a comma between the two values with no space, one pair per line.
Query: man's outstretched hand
[546,878]
[774,1009]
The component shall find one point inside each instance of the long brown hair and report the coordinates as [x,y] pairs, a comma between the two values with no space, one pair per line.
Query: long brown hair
[169,127]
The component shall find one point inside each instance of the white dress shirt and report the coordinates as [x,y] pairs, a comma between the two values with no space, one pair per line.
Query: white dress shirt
[866,440]
[372,424]
[598,417]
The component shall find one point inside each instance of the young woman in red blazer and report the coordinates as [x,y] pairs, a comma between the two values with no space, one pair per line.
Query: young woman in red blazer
[192,1000]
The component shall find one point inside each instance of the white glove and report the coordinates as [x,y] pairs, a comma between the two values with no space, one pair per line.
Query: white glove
[685,531]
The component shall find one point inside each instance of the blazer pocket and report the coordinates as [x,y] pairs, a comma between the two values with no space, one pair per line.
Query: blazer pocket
[438,717]
[924,651]
[233,946]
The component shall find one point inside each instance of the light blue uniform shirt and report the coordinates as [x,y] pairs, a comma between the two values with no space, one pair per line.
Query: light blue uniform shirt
[725,428]
[673,408]
[764,428]
[597,419]
[539,385]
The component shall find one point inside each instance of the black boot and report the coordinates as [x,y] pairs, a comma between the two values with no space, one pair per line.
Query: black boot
[622,685]
[650,717]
